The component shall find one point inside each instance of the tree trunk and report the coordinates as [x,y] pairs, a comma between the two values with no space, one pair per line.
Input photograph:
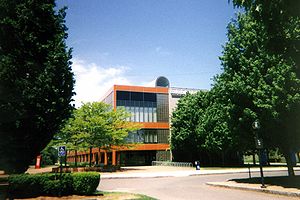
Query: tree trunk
[209,159]
[253,157]
[268,157]
[289,163]
[223,158]
[90,164]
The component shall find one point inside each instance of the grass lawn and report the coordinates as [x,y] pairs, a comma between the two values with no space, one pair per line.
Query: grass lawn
[283,181]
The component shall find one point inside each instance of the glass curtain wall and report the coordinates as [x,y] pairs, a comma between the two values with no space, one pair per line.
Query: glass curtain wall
[144,107]
[150,136]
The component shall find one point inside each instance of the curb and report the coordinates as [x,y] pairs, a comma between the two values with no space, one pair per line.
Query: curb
[270,191]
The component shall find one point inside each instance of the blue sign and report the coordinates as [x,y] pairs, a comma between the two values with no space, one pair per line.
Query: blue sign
[61,151]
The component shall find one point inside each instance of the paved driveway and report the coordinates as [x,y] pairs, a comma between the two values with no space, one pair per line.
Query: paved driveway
[190,187]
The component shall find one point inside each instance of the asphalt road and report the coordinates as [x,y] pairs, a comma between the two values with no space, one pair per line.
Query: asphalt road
[191,187]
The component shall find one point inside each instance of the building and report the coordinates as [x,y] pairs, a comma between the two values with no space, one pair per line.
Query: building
[151,108]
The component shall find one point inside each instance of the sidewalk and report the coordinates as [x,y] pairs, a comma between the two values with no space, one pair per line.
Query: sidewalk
[158,171]
[164,171]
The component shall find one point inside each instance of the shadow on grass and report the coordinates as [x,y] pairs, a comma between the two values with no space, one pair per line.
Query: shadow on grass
[284,181]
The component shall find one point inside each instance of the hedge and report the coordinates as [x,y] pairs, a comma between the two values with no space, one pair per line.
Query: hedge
[26,185]
[85,183]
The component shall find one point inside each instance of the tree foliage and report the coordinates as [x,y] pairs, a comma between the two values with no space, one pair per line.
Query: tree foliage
[185,142]
[199,129]
[96,125]
[260,80]
[36,82]
[274,44]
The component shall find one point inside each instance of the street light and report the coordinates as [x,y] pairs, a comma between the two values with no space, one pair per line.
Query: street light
[259,146]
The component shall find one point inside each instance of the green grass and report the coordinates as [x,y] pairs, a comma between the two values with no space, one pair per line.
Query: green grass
[119,195]
[284,181]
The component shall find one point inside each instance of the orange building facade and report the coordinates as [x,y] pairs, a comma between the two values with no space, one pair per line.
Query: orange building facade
[149,107]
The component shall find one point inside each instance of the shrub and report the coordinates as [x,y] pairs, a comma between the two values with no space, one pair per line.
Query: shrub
[85,182]
[26,185]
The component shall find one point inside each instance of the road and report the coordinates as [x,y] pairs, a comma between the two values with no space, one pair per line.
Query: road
[190,187]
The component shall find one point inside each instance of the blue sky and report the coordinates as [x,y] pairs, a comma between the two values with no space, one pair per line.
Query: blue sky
[134,41]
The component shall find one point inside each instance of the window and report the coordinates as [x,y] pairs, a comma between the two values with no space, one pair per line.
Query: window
[151,97]
[123,95]
[136,96]
[142,106]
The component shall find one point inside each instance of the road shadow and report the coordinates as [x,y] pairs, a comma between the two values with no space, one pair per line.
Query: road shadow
[284,181]
[124,169]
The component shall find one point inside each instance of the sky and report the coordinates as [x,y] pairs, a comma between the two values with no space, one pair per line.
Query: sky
[132,42]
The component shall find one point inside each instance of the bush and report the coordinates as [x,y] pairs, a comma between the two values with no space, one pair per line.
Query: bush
[26,185]
[85,182]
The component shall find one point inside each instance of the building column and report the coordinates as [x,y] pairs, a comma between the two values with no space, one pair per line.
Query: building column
[105,158]
[113,157]
[99,156]
[119,158]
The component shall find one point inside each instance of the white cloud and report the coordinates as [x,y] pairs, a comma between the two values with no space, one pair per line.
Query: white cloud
[93,81]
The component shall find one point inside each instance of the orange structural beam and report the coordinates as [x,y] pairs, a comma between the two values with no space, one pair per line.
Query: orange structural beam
[144,147]
[162,90]
[159,125]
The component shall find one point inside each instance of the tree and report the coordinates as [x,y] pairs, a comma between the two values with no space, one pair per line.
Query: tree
[96,125]
[200,130]
[213,125]
[185,142]
[36,82]
[260,83]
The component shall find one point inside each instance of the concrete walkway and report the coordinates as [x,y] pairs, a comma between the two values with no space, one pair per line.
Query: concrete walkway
[159,172]
[164,171]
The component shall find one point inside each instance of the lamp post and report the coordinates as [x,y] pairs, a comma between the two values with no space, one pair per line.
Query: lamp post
[259,146]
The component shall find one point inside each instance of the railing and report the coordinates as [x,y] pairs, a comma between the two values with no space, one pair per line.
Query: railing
[172,164]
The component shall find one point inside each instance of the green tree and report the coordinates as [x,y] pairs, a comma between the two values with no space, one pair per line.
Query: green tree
[185,142]
[213,125]
[199,129]
[96,125]
[260,83]
[36,82]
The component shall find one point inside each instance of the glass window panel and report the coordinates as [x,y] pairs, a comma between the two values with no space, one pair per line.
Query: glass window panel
[122,95]
[150,114]
[155,138]
[146,138]
[137,114]
[146,118]
[132,113]
[154,115]
[150,138]
[128,110]
[150,97]
[136,96]
[141,114]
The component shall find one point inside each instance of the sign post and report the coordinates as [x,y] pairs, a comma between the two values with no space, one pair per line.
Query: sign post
[259,146]
[61,153]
